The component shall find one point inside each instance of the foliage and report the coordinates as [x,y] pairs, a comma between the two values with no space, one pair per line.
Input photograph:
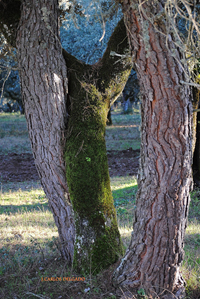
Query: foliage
[87,28]
[85,31]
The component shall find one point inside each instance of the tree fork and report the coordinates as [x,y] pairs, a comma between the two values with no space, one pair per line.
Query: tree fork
[98,243]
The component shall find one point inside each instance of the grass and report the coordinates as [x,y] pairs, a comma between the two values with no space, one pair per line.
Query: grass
[29,244]
[12,124]
[128,125]
[13,134]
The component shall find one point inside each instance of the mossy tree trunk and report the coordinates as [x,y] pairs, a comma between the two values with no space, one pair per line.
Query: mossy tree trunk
[98,243]
[152,261]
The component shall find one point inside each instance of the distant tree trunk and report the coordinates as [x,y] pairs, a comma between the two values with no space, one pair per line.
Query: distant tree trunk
[154,256]
[98,243]
[109,118]
[44,88]
[196,118]
[196,137]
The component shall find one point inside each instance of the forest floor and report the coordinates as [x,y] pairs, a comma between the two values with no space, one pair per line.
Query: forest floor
[29,243]
[21,167]
[16,159]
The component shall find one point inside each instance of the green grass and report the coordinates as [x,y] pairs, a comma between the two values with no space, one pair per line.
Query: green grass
[29,244]
[124,132]
[13,134]
[124,190]
[12,124]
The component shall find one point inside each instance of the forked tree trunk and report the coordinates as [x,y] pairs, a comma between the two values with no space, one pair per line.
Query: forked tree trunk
[98,243]
[44,87]
[153,259]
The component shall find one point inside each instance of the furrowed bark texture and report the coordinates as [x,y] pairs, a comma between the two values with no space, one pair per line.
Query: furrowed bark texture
[154,256]
[98,243]
[44,88]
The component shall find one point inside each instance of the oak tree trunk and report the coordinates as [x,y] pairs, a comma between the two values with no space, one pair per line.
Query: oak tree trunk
[98,243]
[42,72]
[154,256]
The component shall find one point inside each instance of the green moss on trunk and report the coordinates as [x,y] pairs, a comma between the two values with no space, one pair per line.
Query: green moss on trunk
[91,88]
[98,242]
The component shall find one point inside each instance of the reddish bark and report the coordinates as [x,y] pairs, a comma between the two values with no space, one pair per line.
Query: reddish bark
[154,256]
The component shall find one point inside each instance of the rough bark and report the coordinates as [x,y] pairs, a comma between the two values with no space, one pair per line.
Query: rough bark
[42,72]
[153,259]
[98,243]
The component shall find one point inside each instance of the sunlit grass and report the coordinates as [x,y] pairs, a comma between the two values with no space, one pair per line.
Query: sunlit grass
[24,215]
[124,190]
[118,183]
[12,124]
[25,212]
[124,133]
[15,117]
[29,239]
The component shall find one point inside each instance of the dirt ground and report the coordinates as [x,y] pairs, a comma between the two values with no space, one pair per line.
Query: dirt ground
[21,167]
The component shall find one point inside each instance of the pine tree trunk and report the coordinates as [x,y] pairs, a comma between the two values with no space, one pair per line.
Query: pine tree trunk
[153,259]
[44,88]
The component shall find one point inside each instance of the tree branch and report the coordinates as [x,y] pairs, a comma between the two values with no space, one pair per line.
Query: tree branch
[109,75]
